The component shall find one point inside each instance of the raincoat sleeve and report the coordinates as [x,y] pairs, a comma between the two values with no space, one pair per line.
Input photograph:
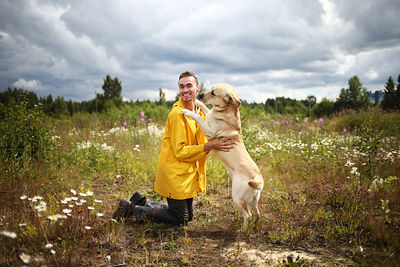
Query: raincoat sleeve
[182,145]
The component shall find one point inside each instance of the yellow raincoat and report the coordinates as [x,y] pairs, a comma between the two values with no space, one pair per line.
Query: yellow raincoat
[181,172]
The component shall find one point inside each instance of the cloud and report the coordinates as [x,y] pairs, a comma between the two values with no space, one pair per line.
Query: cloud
[32,84]
[263,48]
[372,74]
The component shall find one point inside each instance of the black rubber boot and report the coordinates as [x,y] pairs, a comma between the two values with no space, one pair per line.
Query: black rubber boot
[123,209]
[138,199]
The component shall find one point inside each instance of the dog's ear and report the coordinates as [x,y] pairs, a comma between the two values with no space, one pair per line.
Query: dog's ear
[232,99]
[237,101]
[228,99]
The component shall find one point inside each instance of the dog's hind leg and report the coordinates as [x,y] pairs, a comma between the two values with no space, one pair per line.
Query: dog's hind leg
[254,205]
[246,215]
[244,211]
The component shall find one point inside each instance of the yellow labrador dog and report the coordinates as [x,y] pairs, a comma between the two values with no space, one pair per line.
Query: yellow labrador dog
[223,120]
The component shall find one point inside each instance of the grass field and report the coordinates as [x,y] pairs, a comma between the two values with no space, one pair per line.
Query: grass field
[331,197]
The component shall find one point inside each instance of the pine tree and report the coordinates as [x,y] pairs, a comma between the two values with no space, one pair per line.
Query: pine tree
[389,102]
[112,87]
[397,101]
[355,97]
[161,94]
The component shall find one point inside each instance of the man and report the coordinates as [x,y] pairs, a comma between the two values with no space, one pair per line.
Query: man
[181,169]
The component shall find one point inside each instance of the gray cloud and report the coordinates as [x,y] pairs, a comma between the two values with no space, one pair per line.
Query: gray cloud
[263,48]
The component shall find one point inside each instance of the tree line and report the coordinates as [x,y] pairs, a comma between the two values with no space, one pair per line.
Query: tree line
[354,97]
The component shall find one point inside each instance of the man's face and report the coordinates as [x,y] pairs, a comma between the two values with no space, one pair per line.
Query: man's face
[188,88]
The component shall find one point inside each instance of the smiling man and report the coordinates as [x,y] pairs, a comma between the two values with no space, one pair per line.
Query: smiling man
[181,170]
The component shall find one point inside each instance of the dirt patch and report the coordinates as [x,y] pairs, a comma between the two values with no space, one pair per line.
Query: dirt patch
[275,256]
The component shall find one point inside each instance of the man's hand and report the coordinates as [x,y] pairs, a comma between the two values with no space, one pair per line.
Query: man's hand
[221,143]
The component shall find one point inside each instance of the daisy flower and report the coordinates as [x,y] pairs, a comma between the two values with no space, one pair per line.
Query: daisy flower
[9,234]
[25,257]
[52,218]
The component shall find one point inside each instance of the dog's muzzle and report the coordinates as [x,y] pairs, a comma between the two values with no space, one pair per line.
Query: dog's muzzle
[201,95]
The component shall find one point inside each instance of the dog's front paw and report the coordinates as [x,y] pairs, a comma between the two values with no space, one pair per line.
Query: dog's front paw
[186,112]
[198,102]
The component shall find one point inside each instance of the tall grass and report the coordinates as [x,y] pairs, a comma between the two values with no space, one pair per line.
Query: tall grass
[374,118]
[345,183]
[323,187]
[25,138]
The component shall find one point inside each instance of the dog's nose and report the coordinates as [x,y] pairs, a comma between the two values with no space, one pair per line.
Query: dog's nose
[201,95]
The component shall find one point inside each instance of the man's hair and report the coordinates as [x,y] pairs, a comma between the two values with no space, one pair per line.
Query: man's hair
[188,74]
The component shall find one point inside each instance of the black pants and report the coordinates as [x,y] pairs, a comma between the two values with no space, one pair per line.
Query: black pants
[175,212]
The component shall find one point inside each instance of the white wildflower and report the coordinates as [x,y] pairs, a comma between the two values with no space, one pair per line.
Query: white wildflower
[9,234]
[41,207]
[66,211]
[52,218]
[349,164]
[59,216]
[108,258]
[25,257]
[106,147]
[354,171]
[36,198]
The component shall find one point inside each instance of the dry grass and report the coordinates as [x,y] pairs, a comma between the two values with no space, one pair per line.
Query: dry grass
[315,212]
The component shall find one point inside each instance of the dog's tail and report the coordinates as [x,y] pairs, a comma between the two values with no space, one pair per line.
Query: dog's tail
[257,182]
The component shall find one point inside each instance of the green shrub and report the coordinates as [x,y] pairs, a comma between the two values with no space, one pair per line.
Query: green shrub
[24,137]
[374,118]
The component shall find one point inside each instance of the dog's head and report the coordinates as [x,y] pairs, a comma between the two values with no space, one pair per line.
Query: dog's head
[220,95]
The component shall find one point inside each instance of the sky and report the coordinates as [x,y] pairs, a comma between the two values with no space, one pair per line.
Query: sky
[263,48]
